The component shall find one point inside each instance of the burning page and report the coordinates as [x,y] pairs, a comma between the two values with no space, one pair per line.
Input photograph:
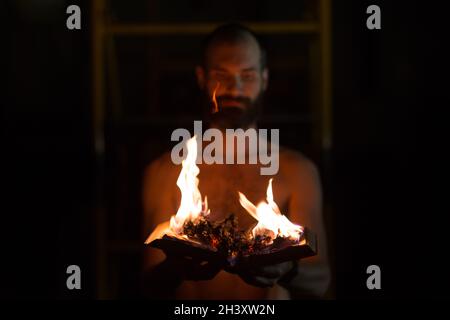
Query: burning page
[275,238]
[192,210]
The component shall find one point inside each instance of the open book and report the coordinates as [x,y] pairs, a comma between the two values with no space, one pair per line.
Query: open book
[223,243]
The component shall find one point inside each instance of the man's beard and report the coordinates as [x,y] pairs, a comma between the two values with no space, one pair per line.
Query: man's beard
[231,117]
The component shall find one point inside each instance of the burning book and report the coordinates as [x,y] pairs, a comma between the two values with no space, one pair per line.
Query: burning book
[232,251]
[274,239]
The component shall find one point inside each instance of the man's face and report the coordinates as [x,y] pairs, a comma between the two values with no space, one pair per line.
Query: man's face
[235,70]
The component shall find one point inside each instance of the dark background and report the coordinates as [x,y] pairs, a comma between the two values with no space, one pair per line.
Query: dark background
[388,207]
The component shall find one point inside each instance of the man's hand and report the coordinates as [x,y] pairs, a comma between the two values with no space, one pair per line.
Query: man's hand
[266,276]
[194,269]
[161,280]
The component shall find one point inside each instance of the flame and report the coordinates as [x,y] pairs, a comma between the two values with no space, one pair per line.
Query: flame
[216,108]
[160,230]
[192,206]
[270,220]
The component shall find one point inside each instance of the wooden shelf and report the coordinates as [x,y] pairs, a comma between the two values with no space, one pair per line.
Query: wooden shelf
[205,28]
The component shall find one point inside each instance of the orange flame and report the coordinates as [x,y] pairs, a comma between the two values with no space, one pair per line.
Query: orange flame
[191,207]
[270,220]
[216,108]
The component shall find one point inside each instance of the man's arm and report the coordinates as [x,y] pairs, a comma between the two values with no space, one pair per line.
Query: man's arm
[312,275]
[158,277]
[161,275]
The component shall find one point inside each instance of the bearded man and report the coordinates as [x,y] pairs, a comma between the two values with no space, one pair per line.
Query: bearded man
[234,69]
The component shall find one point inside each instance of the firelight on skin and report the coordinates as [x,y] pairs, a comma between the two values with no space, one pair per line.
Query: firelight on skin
[214,100]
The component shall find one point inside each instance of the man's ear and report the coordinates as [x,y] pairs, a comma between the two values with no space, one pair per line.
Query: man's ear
[200,73]
[265,79]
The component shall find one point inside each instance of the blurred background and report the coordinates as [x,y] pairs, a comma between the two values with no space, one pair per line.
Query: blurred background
[86,110]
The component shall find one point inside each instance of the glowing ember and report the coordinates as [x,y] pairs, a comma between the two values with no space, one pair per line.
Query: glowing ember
[216,108]
[271,223]
[191,207]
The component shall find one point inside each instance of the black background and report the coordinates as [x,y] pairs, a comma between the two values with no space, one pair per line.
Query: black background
[387,179]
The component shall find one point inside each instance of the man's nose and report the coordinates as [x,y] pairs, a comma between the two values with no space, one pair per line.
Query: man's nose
[234,85]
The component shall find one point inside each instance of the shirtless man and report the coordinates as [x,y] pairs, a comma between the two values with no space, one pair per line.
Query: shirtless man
[234,58]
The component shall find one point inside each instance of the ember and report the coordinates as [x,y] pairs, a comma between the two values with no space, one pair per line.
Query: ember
[220,235]
[212,241]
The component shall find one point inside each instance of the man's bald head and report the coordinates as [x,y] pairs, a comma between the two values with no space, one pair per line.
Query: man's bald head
[231,34]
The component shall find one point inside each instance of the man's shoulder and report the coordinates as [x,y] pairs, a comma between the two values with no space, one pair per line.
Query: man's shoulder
[295,166]
[293,159]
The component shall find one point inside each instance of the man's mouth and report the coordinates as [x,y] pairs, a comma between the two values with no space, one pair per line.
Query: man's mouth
[232,103]
[228,101]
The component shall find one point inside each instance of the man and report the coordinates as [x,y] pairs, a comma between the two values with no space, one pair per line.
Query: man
[234,64]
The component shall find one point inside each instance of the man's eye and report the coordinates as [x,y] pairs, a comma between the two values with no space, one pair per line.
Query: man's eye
[248,76]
